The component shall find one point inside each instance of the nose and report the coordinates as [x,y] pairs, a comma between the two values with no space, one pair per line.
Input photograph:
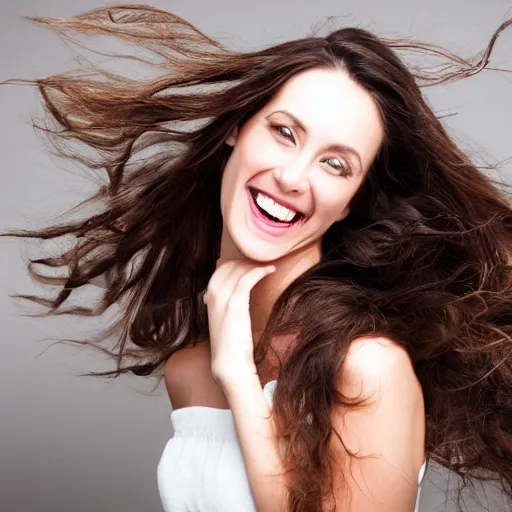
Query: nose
[292,177]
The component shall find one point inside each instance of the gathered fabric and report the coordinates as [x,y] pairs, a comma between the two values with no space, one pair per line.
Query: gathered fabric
[202,468]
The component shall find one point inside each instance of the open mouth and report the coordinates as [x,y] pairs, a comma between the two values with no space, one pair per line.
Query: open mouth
[274,211]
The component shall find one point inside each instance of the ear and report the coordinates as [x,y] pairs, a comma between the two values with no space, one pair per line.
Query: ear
[230,141]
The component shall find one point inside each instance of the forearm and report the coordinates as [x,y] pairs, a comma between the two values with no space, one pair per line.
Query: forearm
[258,443]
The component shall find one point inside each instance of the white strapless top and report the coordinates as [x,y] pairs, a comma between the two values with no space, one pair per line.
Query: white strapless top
[202,468]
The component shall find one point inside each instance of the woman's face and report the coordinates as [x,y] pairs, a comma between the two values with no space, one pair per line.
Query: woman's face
[297,163]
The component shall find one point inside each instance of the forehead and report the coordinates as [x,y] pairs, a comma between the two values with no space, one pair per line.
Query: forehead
[333,108]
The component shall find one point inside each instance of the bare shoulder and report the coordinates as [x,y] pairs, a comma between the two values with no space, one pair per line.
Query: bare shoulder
[380,372]
[184,360]
[389,427]
[374,365]
[188,378]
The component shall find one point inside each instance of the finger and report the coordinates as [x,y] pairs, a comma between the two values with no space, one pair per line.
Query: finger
[219,276]
[227,275]
[242,291]
[223,280]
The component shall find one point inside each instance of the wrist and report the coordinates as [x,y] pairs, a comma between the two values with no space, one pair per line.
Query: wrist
[235,377]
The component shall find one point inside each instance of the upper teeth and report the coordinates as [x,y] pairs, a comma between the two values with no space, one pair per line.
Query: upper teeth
[275,209]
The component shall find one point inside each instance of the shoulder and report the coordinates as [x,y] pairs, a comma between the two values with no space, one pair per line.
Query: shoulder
[188,353]
[380,373]
[182,368]
[375,366]
[388,426]
[186,359]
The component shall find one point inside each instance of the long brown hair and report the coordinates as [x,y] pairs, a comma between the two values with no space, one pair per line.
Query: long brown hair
[423,257]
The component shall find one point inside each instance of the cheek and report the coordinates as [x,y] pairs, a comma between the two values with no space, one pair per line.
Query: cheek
[260,152]
[332,198]
[229,185]
[245,162]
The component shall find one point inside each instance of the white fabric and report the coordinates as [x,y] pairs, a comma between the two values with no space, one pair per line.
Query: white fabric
[202,469]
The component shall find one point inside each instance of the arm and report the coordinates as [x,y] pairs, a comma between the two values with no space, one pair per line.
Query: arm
[390,425]
[257,440]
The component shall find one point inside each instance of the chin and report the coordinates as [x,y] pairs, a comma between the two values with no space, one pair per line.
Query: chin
[259,254]
[256,250]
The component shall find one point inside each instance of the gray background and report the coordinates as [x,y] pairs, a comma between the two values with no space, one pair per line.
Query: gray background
[78,444]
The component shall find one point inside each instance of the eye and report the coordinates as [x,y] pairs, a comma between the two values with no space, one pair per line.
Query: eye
[342,169]
[284,131]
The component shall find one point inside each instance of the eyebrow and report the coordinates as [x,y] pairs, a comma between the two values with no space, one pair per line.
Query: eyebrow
[343,148]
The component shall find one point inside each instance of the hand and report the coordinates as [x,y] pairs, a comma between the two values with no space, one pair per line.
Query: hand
[227,300]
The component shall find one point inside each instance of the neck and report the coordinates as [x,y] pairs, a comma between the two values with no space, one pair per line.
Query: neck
[267,291]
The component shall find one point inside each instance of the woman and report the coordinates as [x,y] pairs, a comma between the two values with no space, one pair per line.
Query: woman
[322,274]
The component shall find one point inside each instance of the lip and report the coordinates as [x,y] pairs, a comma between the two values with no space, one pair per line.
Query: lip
[264,224]
[279,201]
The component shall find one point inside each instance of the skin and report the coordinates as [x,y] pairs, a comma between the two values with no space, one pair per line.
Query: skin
[294,165]
[297,166]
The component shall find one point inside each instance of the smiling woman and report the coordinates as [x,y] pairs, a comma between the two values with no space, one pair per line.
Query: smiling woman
[313,166]
[320,273]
